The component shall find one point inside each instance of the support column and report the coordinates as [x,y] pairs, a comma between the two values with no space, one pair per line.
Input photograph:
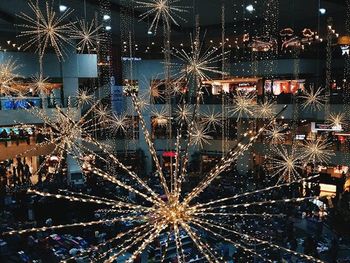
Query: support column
[70,71]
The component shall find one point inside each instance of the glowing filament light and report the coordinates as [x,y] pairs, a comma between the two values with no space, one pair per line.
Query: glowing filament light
[45,28]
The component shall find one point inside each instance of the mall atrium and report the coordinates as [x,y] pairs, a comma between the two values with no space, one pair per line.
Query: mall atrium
[174,131]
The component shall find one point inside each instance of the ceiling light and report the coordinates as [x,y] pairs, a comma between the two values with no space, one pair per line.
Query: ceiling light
[108,28]
[106,17]
[63,8]
[322,11]
[250,8]
[149,32]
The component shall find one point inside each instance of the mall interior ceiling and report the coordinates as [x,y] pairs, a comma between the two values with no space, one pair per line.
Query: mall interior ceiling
[291,14]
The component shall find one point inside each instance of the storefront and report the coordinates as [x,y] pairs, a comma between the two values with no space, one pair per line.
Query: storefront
[278,87]
[213,89]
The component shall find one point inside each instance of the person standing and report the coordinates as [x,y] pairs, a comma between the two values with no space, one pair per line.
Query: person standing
[20,170]
[3,172]
[26,172]
[14,175]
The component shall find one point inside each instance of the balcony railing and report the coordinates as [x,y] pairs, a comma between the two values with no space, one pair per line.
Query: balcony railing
[17,103]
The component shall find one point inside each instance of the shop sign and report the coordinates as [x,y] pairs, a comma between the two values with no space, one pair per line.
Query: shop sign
[315,127]
[169,154]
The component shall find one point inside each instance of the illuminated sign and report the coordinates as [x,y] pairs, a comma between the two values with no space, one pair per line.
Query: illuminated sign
[345,50]
[131,59]
[169,154]
[325,127]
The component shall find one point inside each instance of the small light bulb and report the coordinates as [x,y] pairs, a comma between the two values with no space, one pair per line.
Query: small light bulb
[63,8]
[106,17]
[322,11]
[250,8]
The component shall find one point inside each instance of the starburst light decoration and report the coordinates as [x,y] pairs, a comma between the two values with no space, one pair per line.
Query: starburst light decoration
[317,151]
[64,133]
[243,105]
[177,88]
[166,11]
[102,113]
[184,113]
[161,116]
[8,75]
[155,92]
[119,122]
[200,135]
[83,97]
[87,35]
[40,85]
[45,28]
[266,110]
[286,164]
[313,99]
[175,213]
[211,119]
[337,120]
[199,63]
[275,134]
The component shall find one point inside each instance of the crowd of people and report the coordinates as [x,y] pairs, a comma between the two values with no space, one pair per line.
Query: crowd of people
[15,172]
[282,231]
[12,136]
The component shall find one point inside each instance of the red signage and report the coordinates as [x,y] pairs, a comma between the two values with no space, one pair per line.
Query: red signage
[169,154]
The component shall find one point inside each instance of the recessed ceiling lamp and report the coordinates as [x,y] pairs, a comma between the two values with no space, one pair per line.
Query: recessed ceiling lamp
[106,17]
[108,28]
[250,8]
[322,11]
[63,8]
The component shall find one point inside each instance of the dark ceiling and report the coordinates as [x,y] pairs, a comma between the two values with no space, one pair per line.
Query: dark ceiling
[292,13]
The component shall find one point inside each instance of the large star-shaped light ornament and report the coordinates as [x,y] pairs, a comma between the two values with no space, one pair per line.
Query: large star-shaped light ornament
[243,105]
[83,97]
[161,116]
[8,75]
[87,35]
[65,132]
[40,85]
[199,135]
[198,64]
[46,28]
[275,134]
[156,94]
[184,113]
[161,10]
[266,110]
[173,208]
[313,99]
[317,151]
[102,113]
[119,122]
[337,120]
[211,119]
[285,164]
